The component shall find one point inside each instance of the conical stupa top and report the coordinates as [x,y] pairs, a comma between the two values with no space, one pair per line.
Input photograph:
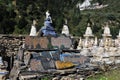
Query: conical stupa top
[119,34]
[106,30]
[96,41]
[48,29]
[80,42]
[88,31]
[1,61]
[65,21]
[65,29]
[48,16]
[33,29]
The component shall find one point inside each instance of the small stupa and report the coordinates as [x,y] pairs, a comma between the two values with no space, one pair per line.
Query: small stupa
[107,36]
[79,44]
[88,32]
[118,41]
[96,41]
[1,61]
[118,35]
[33,29]
[47,29]
[106,32]
[65,29]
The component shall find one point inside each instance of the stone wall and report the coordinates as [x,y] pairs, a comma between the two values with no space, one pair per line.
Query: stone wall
[10,44]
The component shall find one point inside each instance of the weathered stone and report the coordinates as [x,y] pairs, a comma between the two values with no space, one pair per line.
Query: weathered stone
[36,42]
[61,42]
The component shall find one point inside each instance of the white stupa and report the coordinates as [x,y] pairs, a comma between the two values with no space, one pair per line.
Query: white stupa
[79,44]
[96,41]
[48,16]
[119,35]
[106,32]
[33,29]
[1,61]
[88,32]
[65,29]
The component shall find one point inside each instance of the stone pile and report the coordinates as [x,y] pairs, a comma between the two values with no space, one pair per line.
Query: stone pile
[11,44]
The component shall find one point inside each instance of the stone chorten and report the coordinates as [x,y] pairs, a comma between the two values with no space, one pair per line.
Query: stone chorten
[106,32]
[88,32]
[65,29]
[119,35]
[47,29]
[107,36]
[80,43]
[96,41]
[33,29]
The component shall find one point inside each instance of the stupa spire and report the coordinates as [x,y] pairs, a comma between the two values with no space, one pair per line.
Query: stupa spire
[47,29]
[106,32]
[96,41]
[33,29]
[119,34]
[88,32]
[48,16]
[65,29]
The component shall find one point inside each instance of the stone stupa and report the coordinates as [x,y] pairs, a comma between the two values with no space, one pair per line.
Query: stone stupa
[106,32]
[118,35]
[96,42]
[107,36]
[47,29]
[88,32]
[65,29]
[79,44]
[33,29]
[117,41]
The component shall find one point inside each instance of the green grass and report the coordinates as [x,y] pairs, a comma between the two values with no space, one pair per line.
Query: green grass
[110,75]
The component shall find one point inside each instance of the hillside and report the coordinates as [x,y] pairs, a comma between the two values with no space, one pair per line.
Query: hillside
[98,17]
[16,16]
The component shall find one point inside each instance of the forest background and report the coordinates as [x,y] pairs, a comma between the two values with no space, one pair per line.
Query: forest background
[16,16]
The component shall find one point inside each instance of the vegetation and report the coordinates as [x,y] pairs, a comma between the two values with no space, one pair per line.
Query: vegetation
[110,75]
[16,16]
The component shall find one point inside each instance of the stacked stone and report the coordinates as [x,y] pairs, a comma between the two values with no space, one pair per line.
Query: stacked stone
[11,44]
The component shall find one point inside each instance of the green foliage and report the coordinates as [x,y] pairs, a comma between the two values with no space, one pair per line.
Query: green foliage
[110,75]
[46,77]
[16,16]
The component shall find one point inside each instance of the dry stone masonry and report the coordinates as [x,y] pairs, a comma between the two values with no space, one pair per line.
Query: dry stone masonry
[10,44]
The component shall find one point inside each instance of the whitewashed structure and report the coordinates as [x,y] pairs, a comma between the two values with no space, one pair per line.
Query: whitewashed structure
[106,32]
[65,29]
[33,31]
[119,35]
[88,32]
